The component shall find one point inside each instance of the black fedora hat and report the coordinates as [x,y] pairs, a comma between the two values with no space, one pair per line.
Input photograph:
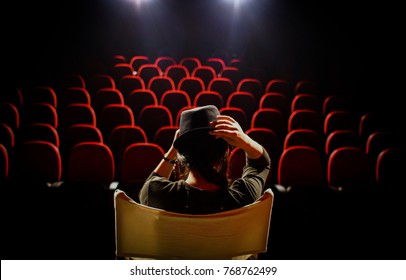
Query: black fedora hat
[194,122]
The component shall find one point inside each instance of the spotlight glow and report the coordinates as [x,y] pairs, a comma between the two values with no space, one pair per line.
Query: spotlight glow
[139,2]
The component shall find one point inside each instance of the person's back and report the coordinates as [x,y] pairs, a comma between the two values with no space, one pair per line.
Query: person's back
[192,177]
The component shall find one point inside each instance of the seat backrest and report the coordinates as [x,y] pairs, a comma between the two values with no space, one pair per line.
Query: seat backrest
[41,94]
[275,100]
[348,168]
[307,119]
[232,73]
[204,72]
[279,85]
[7,136]
[206,97]
[104,97]
[159,85]
[341,138]
[138,99]
[151,118]
[39,131]
[224,86]
[99,81]
[340,120]
[10,115]
[192,85]
[244,100]
[148,71]
[389,167]
[121,69]
[252,85]
[176,73]
[270,118]
[138,161]
[306,101]
[4,163]
[164,62]
[138,60]
[42,113]
[164,136]
[91,162]
[175,100]
[300,166]
[114,115]
[129,83]
[143,231]
[303,137]
[38,161]
[73,95]
[190,63]
[79,133]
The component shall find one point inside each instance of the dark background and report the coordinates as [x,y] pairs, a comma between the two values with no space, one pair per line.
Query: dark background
[354,45]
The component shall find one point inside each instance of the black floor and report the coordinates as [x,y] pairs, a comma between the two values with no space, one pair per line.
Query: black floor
[77,222]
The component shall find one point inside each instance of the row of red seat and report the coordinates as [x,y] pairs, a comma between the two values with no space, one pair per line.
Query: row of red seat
[106,115]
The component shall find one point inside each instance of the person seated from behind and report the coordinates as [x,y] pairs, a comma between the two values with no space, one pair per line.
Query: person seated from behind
[199,156]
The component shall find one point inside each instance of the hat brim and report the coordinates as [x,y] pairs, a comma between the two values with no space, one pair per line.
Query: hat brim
[191,135]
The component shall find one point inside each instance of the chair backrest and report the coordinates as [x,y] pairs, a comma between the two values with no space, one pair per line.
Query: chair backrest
[10,115]
[340,120]
[224,86]
[38,161]
[390,166]
[190,63]
[278,85]
[114,115]
[252,85]
[39,131]
[300,166]
[232,73]
[276,100]
[192,85]
[138,99]
[206,97]
[91,162]
[175,100]
[138,60]
[119,70]
[148,71]
[99,81]
[42,113]
[41,94]
[164,136]
[7,136]
[204,72]
[176,73]
[4,163]
[73,95]
[151,118]
[160,84]
[244,100]
[306,101]
[129,83]
[143,231]
[164,62]
[348,168]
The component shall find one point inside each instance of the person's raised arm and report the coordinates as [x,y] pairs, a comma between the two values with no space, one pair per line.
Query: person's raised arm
[230,130]
[165,166]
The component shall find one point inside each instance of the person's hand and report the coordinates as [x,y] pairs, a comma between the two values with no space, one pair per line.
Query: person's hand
[230,130]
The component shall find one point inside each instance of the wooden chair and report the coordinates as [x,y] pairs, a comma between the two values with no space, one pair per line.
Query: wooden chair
[147,232]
